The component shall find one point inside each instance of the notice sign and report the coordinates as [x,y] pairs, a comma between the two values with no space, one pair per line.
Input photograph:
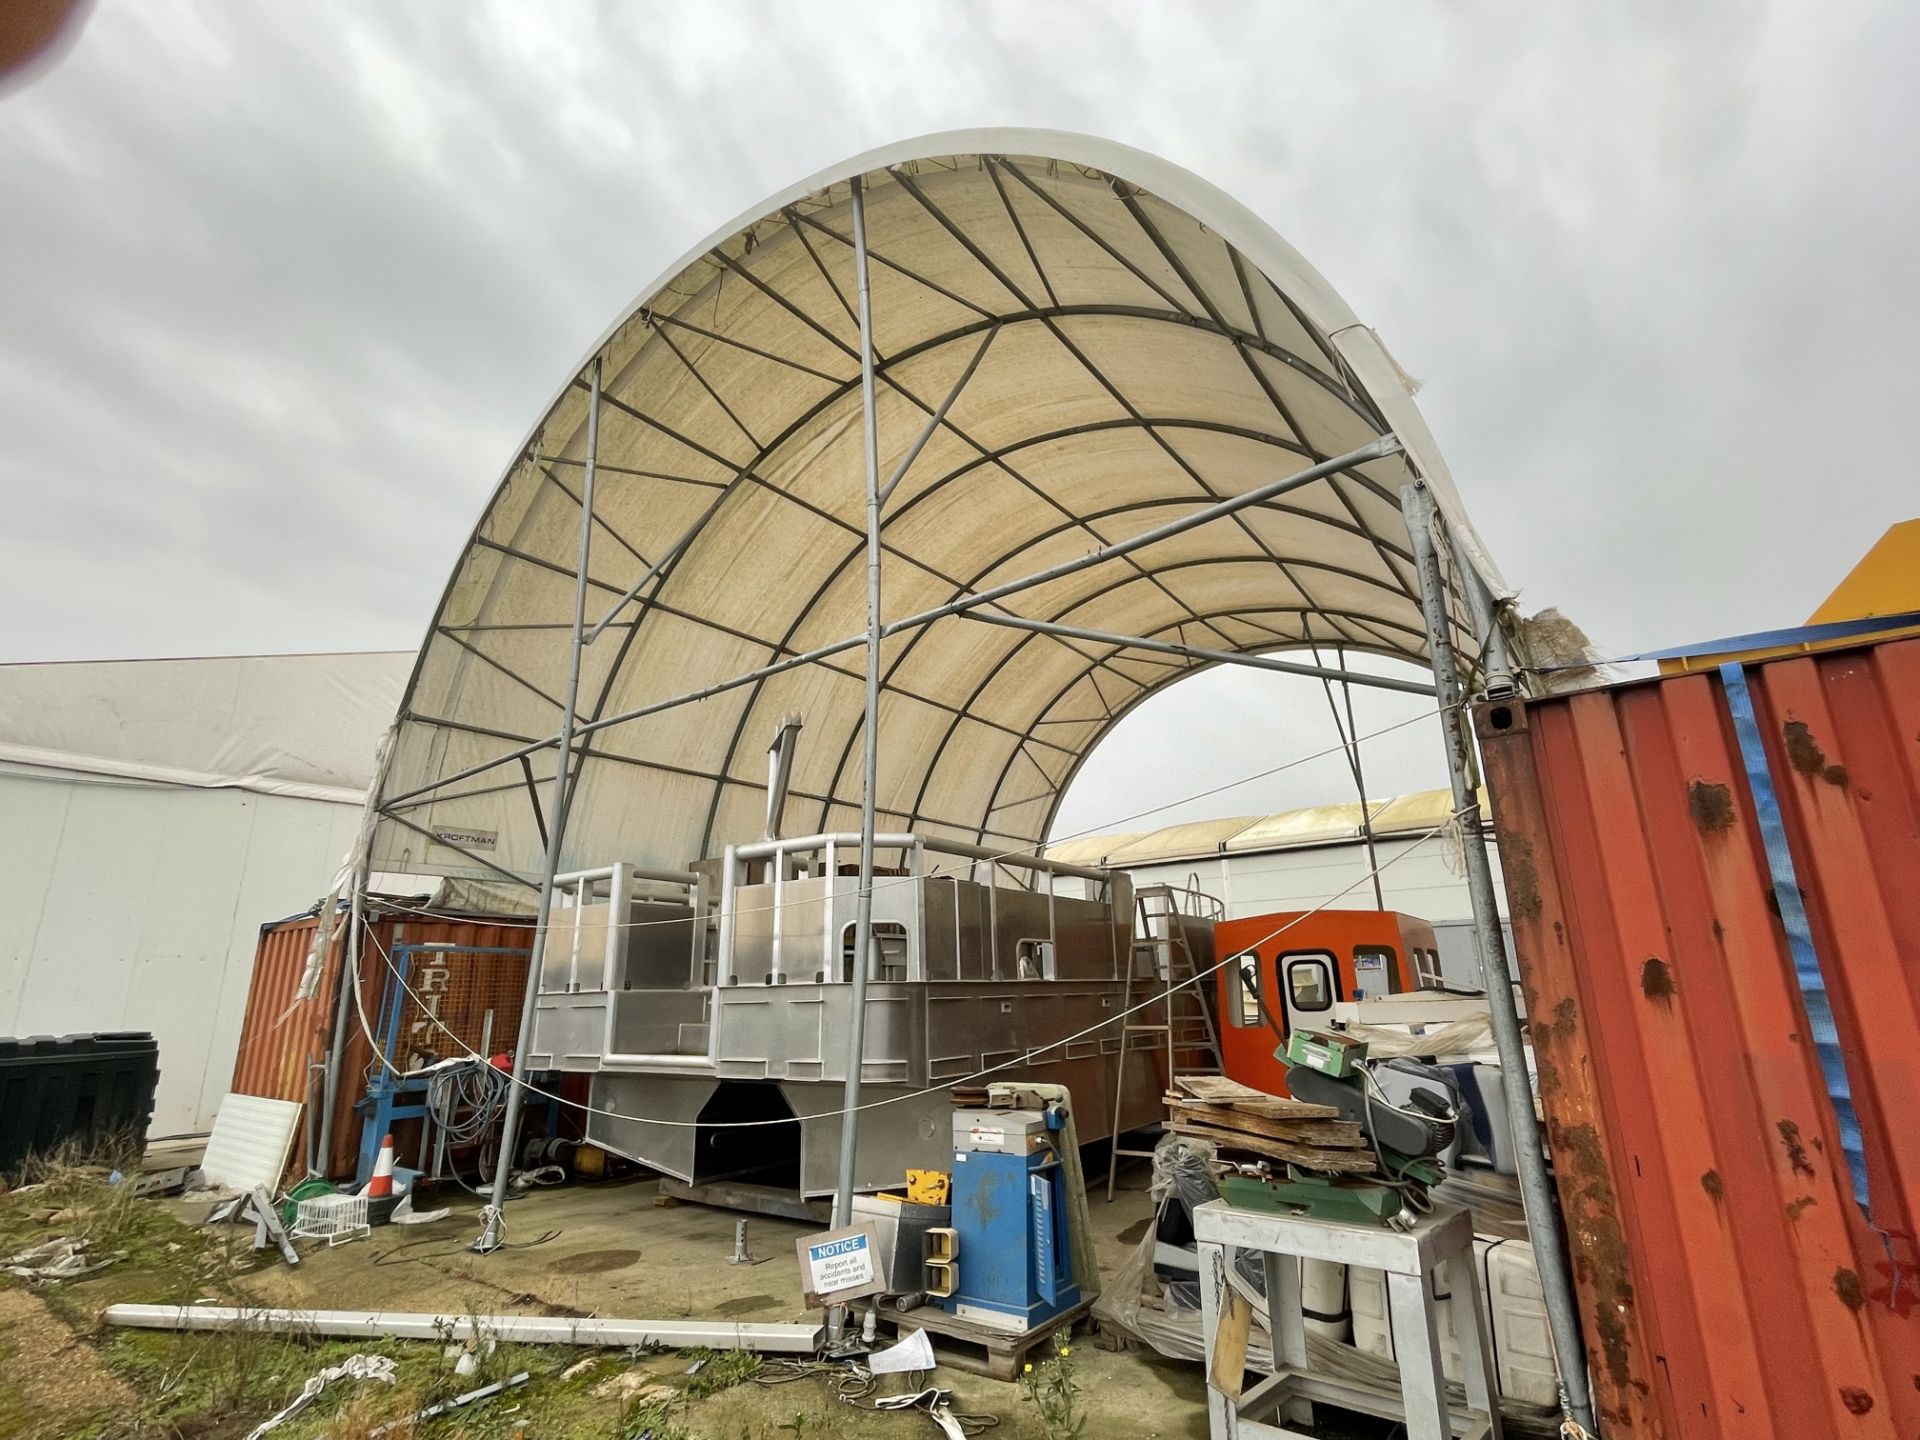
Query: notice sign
[840,1265]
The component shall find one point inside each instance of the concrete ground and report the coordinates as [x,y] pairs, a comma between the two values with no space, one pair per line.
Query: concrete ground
[609,1250]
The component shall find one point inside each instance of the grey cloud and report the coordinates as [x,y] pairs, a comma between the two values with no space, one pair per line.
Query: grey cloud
[284,289]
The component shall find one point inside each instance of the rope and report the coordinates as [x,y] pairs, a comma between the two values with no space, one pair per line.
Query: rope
[853,1384]
[966,867]
[1159,997]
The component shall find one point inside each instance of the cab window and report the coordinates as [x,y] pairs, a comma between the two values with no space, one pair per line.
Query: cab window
[1373,970]
[1309,976]
[1033,960]
[1243,1005]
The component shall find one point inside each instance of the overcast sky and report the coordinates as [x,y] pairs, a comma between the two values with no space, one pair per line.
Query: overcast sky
[282,288]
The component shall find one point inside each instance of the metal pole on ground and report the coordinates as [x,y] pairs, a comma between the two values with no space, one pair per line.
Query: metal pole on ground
[493,1216]
[870,752]
[1536,1187]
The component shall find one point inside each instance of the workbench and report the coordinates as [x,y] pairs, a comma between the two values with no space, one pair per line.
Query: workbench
[1442,1239]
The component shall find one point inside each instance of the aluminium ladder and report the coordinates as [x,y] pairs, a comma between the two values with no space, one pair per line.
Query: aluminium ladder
[1185,1027]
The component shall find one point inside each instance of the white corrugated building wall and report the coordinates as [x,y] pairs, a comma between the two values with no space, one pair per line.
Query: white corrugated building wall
[1297,859]
[153,815]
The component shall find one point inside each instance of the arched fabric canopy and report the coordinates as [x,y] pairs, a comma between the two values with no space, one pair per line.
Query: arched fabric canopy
[1117,345]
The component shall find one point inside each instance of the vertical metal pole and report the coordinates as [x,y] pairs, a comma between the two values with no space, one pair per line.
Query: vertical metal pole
[1350,742]
[351,945]
[1536,1187]
[870,753]
[493,1215]
[1360,784]
[1496,666]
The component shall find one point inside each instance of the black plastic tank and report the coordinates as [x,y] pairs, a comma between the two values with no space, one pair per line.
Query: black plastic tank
[93,1091]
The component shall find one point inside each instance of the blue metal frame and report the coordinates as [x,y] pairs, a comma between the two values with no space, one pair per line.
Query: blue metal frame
[388,1097]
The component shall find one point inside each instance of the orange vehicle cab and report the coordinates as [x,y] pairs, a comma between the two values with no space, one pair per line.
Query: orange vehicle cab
[1289,970]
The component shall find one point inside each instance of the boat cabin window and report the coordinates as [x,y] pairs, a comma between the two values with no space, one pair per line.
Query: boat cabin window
[1309,979]
[1372,970]
[1243,1006]
[1033,960]
[1426,969]
[889,951]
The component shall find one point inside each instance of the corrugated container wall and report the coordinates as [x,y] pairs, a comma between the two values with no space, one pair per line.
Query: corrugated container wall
[1729,1284]
[283,1042]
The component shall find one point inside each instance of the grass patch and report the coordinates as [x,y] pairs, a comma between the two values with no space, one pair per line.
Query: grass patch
[220,1385]
[724,1370]
[658,1420]
[156,1259]
[72,1187]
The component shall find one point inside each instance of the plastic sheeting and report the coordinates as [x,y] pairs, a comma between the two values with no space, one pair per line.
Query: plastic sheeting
[1150,347]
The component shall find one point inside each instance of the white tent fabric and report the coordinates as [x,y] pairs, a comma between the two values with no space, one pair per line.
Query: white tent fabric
[153,813]
[1315,825]
[296,725]
[1144,347]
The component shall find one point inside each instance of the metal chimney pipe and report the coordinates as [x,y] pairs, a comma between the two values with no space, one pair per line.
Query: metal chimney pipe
[786,736]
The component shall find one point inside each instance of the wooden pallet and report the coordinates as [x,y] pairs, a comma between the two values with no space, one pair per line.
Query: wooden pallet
[1236,1118]
[1312,1157]
[980,1349]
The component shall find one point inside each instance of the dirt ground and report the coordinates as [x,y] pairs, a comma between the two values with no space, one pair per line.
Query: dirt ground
[60,1377]
[605,1250]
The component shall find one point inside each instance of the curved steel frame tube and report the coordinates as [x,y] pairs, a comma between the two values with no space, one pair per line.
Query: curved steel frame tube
[1374,450]
[1194,652]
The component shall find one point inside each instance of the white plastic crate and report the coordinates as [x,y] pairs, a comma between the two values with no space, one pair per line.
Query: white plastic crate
[335,1219]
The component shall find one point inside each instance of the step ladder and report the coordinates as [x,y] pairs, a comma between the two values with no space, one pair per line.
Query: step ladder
[1184,1027]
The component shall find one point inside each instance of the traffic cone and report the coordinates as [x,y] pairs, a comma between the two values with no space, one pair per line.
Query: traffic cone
[381,1186]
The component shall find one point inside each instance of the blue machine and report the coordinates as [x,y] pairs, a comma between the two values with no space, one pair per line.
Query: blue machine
[1015,1261]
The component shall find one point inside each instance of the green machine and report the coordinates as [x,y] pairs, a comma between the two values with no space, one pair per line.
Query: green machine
[1329,1068]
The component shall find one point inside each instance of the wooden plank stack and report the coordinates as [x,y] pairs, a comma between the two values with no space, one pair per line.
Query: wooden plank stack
[1242,1121]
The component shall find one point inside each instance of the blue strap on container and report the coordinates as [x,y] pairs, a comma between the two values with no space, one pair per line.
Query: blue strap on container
[1793,918]
[1867,625]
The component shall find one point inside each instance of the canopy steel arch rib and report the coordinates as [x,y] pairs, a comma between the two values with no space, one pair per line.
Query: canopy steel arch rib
[899,473]
[1284,283]
[990,323]
[1044,714]
[1376,449]
[1216,657]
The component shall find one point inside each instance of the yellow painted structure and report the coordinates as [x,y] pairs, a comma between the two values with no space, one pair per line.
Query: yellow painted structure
[1885,581]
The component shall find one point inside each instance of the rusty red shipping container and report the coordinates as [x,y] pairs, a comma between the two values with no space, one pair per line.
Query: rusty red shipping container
[283,1040]
[1729,1284]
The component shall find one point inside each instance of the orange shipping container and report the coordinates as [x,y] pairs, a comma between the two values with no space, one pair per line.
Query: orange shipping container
[283,1040]
[1729,1284]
